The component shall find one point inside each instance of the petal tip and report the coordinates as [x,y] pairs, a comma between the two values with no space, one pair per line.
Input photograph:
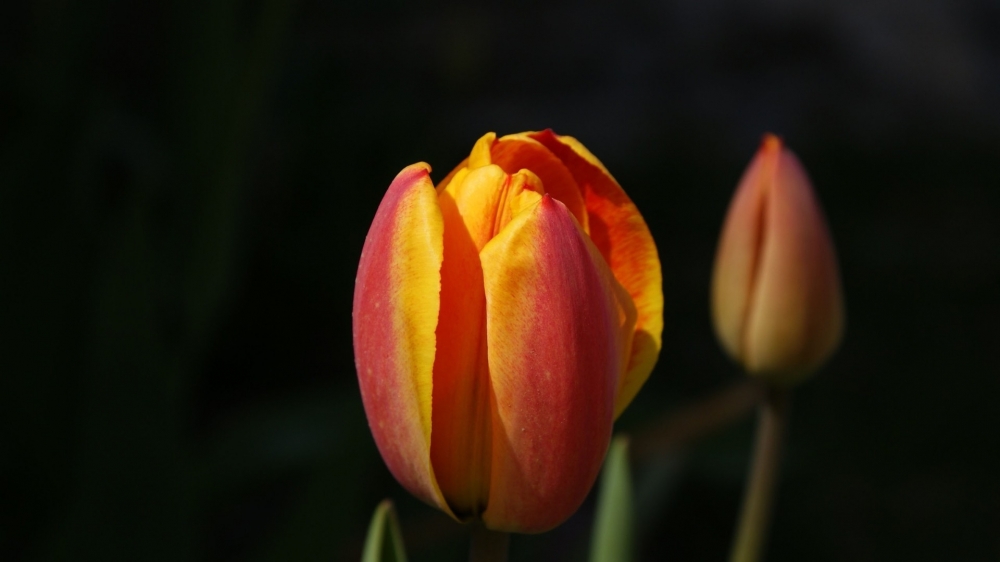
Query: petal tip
[480,155]
[771,143]
[419,168]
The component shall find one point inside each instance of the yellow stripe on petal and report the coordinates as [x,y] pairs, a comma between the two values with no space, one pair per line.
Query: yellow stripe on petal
[395,314]
[555,326]
[621,234]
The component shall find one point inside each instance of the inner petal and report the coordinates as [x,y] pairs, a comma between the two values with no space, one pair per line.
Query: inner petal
[460,447]
[516,152]
[486,198]
[475,205]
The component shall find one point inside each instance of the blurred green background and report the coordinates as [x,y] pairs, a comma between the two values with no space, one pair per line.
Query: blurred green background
[185,188]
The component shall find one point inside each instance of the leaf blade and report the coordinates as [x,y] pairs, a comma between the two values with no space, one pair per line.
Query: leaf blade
[385,541]
[614,529]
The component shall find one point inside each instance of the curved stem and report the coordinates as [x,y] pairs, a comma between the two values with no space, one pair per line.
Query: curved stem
[755,517]
[691,422]
[487,545]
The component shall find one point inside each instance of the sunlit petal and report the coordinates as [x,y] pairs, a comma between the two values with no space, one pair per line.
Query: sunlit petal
[621,235]
[554,333]
[395,316]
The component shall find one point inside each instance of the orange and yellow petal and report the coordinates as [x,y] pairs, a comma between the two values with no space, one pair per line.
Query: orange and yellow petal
[620,233]
[476,204]
[521,152]
[460,446]
[479,157]
[554,333]
[443,184]
[485,198]
[395,316]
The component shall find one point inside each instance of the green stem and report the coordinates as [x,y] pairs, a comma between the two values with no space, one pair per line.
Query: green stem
[755,518]
[487,545]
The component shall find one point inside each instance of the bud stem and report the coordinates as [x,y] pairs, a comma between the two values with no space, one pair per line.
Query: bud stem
[487,545]
[755,518]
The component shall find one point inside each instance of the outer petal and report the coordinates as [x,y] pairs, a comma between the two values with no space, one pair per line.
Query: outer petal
[736,259]
[621,235]
[554,331]
[521,152]
[395,315]
[796,312]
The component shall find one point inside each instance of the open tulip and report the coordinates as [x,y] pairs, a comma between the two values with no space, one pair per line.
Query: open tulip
[776,297]
[502,320]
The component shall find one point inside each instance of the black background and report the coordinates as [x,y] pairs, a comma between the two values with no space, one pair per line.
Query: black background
[185,188]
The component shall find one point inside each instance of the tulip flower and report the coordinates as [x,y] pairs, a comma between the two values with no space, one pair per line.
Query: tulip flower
[776,297]
[502,321]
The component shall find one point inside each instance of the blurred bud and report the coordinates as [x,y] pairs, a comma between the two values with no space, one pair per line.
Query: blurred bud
[776,297]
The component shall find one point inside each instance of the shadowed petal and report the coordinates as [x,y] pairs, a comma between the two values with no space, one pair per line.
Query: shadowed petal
[796,315]
[736,259]
[460,446]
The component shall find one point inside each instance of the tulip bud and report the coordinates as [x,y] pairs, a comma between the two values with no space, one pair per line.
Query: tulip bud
[776,296]
[502,320]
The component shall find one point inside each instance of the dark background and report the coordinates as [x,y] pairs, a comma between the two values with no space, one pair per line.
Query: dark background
[185,188]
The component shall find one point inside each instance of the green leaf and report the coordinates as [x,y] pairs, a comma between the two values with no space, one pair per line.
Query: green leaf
[614,527]
[384,542]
